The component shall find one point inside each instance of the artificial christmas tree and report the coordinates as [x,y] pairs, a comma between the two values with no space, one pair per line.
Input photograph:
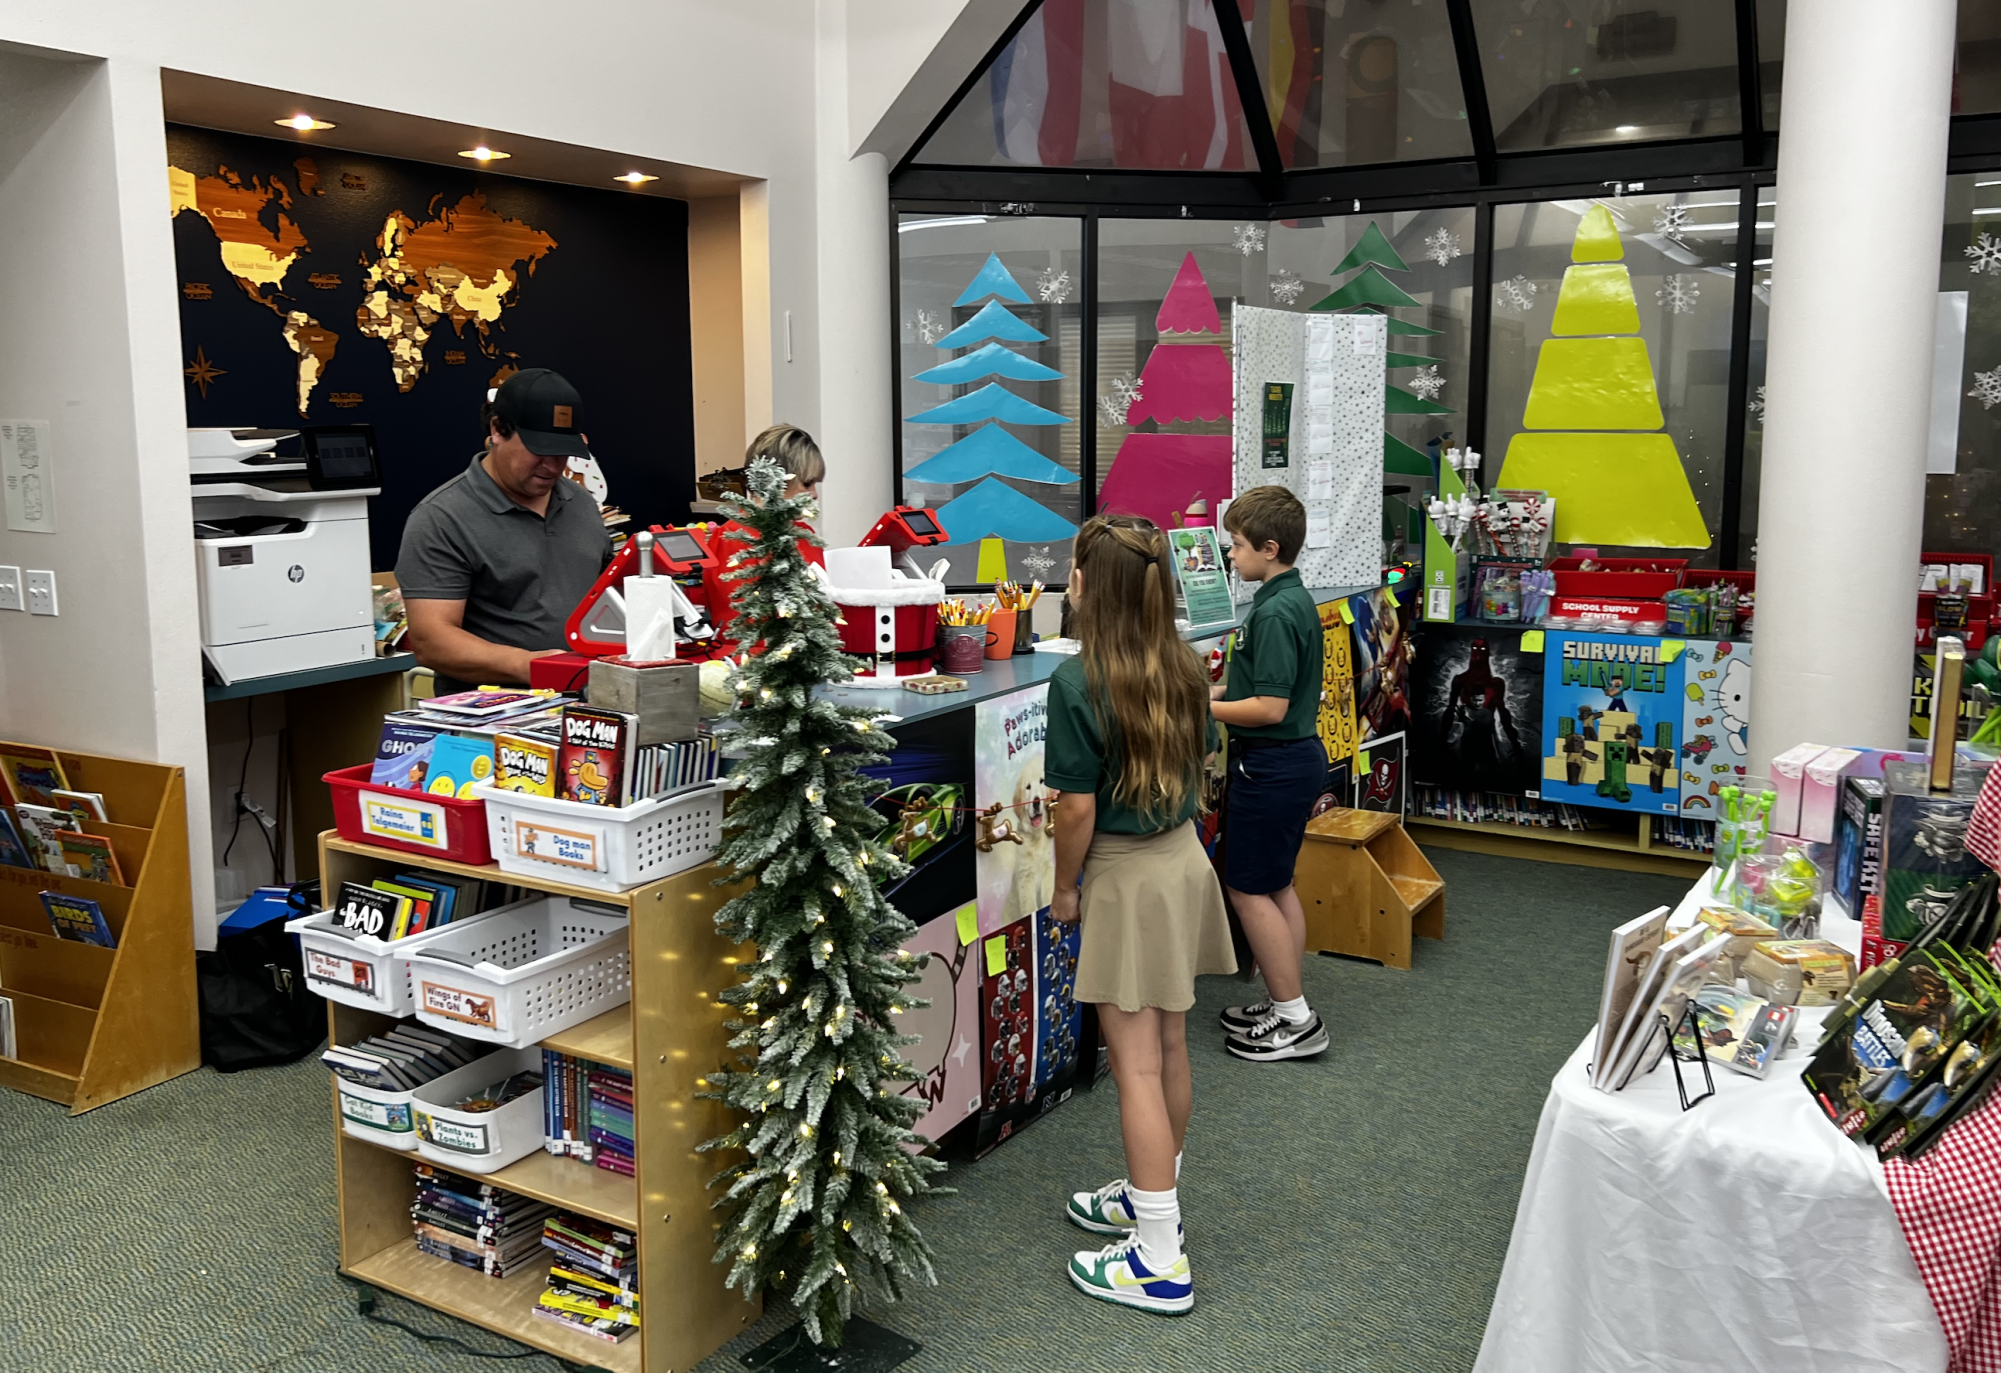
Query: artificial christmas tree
[824,1159]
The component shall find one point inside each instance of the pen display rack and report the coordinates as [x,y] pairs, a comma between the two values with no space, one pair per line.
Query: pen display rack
[93,1024]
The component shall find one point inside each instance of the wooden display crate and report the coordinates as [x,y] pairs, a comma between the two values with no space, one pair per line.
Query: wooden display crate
[1366,888]
[93,1025]
[668,1037]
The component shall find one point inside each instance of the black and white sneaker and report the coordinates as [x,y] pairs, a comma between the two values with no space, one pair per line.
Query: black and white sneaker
[1275,1038]
[1240,1019]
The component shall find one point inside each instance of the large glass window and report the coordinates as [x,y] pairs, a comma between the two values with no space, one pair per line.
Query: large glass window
[1348,83]
[1561,73]
[1609,364]
[1976,77]
[990,357]
[1754,391]
[1963,492]
[1103,83]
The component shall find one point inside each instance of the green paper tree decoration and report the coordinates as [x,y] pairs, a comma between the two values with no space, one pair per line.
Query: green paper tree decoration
[1370,292]
[824,1159]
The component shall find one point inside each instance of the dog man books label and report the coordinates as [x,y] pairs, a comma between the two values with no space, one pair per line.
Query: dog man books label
[571,848]
[411,822]
[455,1004]
[342,972]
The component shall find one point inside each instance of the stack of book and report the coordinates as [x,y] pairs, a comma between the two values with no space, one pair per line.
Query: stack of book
[589,756]
[42,819]
[589,1111]
[408,1056]
[476,1224]
[446,744]
[406,904]
[594,1282]
[1479,807]
[1683,832]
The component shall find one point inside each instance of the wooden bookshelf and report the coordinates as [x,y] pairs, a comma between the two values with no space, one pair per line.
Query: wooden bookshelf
[668,1036]
[1628,845]
[93,1025]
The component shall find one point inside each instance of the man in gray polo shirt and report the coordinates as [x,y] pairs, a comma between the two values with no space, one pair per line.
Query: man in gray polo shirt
[494,561]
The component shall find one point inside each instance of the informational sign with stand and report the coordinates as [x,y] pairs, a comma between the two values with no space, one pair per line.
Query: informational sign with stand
[1204,577]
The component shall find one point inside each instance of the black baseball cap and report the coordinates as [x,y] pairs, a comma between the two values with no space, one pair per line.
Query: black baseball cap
[545,411]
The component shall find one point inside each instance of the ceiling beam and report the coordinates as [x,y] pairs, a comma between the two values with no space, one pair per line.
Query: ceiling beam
[1473,88]
[1257,119]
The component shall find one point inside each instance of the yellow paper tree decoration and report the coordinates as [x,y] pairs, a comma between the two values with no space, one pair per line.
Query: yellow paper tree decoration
[1591,430]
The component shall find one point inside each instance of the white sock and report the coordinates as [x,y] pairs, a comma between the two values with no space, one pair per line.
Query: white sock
[1159,1221]
[1294,1011]
[1177,1170]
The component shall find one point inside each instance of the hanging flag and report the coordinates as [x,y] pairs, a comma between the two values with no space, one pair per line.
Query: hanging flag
[1036,87]
[1173,103]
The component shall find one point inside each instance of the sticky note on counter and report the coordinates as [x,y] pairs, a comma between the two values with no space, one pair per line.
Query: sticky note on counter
[996,955]
[969,922]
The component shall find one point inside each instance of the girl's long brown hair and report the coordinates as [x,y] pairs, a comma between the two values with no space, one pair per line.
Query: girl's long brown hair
[1137,665]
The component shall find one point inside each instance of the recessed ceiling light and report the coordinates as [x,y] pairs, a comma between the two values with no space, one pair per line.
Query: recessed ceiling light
[484,154]
[635,178]
[304,123]
[1627,128]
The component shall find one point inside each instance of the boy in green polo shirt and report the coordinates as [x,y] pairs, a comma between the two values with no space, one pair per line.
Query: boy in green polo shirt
[1278,769]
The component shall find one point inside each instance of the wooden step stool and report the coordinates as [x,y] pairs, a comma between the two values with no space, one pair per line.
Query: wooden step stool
[1366,887]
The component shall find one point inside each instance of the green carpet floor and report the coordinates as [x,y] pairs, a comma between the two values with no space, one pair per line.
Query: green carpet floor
[1345,1214]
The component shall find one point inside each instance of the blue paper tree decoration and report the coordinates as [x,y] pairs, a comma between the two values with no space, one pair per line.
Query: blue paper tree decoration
[992,511]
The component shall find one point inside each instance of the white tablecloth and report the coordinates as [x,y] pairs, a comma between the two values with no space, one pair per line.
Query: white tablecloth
[1746,1234]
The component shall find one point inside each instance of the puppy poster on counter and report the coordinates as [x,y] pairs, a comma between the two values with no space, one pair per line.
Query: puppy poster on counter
[1017,870]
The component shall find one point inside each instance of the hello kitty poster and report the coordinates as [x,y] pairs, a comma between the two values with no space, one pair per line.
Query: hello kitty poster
[1716,721]
[1017,865]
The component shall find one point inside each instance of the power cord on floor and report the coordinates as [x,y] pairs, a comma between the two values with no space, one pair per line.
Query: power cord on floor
[364,1305]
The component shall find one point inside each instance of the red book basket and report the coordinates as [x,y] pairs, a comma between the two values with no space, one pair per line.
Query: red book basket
[409,821]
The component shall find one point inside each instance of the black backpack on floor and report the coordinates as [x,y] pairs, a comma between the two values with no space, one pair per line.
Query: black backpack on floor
[256,1010]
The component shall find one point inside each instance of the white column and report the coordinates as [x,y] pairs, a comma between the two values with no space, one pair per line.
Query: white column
[857,418]
[1861,191]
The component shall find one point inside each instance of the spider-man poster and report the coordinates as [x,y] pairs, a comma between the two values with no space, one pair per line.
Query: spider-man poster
[1476,699]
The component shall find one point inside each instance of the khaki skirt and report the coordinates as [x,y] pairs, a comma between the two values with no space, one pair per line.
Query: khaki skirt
[1153,920]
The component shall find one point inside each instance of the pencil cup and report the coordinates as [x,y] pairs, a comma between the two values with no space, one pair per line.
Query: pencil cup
[961,648]
[1024,633]
[1000,634]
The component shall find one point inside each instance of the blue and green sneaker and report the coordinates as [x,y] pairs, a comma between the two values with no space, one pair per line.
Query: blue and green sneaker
[1107,1211]
[1120,1274]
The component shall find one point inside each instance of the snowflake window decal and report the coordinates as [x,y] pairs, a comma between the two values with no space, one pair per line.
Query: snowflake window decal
[1987,388]
[1442,247]
[1678,294]
[1053,286]
[1986,254]
[1672,222]
[1121,394]
[928,327]
[1286,287]
[1039,560]
[1427,382]
[1515,296]
[1757,408]
[1248,239]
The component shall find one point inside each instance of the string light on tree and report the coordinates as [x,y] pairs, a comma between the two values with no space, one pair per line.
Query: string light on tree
[795,1224]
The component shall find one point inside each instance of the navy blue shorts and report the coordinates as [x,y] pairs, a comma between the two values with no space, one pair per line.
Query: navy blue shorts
[1273,788]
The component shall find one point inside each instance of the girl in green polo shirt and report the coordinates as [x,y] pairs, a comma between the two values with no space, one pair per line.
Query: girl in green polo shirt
[1128,731]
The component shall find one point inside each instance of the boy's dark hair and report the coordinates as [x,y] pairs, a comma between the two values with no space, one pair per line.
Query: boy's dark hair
[1269,514]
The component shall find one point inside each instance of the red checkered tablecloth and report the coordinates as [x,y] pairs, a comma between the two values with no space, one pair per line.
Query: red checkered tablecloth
[1949,1204]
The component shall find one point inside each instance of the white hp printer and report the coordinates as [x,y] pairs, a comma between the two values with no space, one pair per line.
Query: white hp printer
[281,548]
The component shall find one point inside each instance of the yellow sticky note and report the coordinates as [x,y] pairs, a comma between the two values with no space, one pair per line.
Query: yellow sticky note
[969,922]
[1347,613]
[1532,641]
[1671,649]
[997,955]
